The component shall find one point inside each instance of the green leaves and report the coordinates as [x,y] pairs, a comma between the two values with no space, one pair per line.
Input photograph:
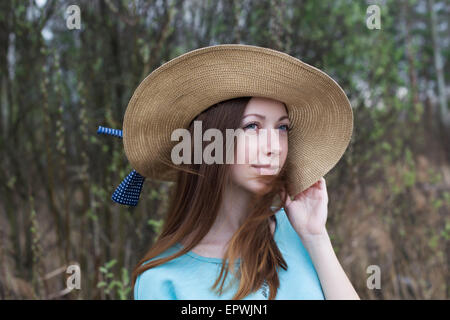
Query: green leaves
[156,224]
[112,286]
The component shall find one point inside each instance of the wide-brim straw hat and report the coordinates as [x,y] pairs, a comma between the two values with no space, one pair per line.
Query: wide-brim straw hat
[175,93]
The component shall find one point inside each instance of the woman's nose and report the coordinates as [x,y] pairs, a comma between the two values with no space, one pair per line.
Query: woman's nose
[270,142]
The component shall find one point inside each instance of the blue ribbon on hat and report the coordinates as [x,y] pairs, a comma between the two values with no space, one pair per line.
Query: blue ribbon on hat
[129,190]
[112,132]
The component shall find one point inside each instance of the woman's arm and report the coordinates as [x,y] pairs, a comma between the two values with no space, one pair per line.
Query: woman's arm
[307,213]
[335,283]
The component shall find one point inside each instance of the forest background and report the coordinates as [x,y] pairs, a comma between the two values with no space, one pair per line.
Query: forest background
[389,195]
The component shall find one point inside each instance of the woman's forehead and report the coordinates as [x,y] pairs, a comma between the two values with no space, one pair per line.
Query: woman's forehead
[265,106]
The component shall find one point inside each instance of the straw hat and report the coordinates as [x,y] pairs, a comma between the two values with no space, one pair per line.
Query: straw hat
[175,93]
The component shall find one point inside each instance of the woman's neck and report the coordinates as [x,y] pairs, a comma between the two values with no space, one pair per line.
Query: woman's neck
[231,215]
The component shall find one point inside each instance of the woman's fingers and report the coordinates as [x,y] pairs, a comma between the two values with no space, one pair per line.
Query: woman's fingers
[319,184]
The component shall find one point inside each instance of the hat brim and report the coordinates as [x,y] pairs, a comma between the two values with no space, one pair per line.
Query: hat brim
[175,93]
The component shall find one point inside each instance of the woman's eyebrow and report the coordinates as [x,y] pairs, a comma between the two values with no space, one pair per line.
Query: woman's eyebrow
[263,117]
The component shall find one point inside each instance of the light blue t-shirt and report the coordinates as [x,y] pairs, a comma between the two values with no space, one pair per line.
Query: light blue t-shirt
[190,276]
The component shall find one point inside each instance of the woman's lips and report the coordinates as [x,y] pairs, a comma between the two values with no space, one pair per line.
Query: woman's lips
[265,169]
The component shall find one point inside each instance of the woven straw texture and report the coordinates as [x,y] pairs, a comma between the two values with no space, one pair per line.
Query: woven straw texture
[175,93]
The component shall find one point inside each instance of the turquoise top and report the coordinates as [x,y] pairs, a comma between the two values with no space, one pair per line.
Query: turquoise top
[190,276]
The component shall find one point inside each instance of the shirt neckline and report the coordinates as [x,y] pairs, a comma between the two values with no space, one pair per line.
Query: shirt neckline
[220,260]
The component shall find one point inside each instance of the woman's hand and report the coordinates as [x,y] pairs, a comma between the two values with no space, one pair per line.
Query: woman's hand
[308,211]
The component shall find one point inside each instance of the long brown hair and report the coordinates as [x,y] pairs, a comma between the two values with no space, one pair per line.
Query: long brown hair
[194,203]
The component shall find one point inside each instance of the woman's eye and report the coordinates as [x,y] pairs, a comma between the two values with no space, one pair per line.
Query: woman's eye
[284,127]
[251,126]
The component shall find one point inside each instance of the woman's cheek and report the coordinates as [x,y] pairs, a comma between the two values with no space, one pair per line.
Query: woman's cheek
[284,151]
[247,149]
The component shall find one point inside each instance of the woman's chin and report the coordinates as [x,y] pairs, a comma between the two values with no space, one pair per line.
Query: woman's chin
[258,188]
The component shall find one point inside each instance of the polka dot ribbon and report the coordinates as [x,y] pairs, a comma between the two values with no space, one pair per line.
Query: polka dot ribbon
[129,190]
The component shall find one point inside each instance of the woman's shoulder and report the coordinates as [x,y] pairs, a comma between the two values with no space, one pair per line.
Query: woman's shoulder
[154,284]
[168,266]
[157,282]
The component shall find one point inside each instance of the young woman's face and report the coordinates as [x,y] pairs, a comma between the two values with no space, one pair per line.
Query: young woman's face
[264,151]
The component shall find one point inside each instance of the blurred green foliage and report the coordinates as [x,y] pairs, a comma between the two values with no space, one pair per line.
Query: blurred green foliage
[389,194]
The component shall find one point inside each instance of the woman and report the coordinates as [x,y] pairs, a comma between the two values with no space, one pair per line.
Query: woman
[223,238]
